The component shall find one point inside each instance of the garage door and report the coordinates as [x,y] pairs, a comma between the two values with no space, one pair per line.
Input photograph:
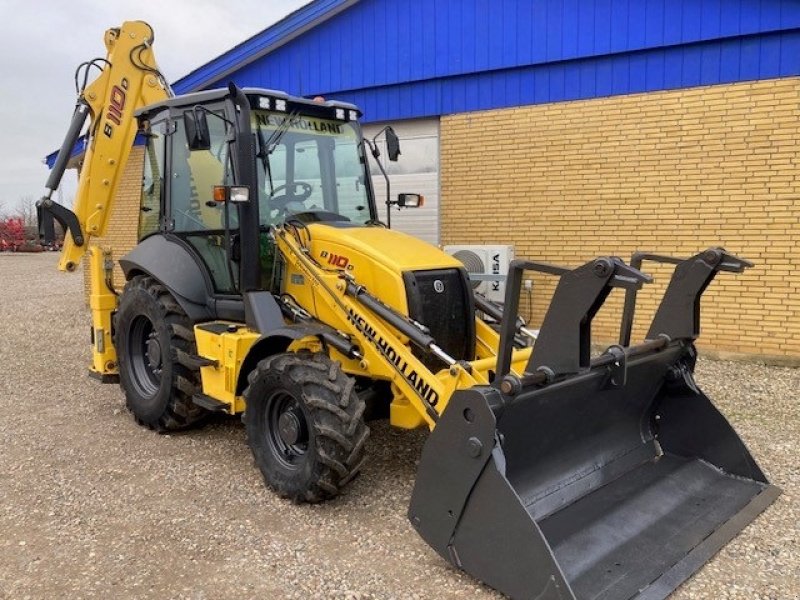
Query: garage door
[416,171]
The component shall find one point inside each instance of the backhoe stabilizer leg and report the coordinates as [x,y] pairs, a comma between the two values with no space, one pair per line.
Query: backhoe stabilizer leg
[102,303]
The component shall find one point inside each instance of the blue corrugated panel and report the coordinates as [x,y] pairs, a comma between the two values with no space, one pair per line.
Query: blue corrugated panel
[429,57]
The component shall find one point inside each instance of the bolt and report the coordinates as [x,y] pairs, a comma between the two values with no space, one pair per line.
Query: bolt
[601,267]
[474,447]
[712,256]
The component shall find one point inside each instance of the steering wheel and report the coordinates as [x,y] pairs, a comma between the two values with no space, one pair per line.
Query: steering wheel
[281,203]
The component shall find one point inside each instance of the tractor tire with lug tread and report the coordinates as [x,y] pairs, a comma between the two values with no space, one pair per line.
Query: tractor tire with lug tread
[153,334]
[305,425]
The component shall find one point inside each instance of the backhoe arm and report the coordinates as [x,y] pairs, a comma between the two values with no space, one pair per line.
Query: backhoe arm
[128,81]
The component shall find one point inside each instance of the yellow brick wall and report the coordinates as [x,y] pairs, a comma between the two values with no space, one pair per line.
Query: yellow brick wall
[123,225]
[672,172]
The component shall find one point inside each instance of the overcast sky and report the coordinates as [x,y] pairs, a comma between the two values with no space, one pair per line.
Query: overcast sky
[43,42]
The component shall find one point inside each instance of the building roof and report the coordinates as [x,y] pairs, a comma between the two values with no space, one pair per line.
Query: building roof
[273,37]
[418,58]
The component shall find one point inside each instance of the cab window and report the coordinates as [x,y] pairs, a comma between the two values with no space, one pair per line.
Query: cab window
[195,216]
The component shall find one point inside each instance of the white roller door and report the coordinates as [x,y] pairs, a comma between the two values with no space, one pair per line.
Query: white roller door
[416,171]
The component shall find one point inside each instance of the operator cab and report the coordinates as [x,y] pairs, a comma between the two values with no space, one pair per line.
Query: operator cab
[305,161]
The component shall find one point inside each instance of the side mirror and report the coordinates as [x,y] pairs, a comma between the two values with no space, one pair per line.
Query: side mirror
[392,144]
[196,125]
[410,200]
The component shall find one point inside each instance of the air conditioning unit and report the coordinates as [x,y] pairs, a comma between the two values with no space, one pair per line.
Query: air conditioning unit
[487,267]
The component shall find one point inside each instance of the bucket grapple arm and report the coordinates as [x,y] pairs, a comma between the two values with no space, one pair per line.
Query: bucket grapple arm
[608,478]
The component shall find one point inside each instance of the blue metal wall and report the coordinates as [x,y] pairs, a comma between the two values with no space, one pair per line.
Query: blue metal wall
[430,57]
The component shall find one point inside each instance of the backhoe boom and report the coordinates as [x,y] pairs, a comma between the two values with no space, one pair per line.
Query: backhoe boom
[129,80]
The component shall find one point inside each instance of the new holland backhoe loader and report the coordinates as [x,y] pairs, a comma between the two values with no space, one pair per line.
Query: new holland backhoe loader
[264,285]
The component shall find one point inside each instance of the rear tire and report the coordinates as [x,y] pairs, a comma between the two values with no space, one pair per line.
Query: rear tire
[305,425]
[152,332]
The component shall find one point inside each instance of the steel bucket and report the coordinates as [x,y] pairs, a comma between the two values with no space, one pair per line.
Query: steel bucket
[615,480]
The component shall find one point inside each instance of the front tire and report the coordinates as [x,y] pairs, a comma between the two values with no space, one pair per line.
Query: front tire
[305,425]
[152,333]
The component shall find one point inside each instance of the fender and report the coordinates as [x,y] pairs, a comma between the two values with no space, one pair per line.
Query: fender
[168,260]
[275,342]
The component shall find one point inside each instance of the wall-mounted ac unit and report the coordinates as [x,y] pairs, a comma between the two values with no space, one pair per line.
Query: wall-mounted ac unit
[487,267]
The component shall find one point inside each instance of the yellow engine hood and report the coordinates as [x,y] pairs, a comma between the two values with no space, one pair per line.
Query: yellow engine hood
[394,250]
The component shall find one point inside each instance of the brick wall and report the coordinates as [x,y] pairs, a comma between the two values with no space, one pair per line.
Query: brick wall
[123,225]
[673,172]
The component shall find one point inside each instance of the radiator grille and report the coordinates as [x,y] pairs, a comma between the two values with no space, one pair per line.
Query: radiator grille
[441,299]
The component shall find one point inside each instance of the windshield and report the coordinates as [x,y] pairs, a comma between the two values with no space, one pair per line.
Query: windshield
[309,165]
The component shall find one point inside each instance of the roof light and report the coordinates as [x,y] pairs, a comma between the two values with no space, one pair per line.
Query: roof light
[280,104]
[340,114]
[353,115]
[263,102]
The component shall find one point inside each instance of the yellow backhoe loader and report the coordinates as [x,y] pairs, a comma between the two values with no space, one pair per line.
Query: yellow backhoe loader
[264,284]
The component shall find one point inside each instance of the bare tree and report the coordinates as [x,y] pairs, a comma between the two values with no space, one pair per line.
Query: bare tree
[26,210]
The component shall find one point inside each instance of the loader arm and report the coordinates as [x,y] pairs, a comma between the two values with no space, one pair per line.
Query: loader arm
[129,80]
[384,337]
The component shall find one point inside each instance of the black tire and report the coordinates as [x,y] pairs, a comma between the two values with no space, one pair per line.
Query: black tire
[151,334]
[305,425]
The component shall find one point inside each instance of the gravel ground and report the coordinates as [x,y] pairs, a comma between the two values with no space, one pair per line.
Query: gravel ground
[93,506]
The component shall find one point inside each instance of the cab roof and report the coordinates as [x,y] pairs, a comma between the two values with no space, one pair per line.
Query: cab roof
[204,97]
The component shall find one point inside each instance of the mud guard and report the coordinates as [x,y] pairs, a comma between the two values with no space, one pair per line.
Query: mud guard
[187,280]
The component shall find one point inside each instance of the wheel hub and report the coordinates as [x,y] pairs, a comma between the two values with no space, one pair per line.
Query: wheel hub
[289,427]
[153,349]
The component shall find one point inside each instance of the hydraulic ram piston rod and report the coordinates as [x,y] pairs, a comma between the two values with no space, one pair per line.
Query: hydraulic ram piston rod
[398,321]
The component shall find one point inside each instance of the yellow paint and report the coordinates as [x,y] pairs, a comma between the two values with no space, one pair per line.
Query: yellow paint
[109,149]
[403,414]
[102,303]
[123,87]
[376,258]
[228,348]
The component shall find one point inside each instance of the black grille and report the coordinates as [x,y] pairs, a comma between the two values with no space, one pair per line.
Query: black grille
[441,299]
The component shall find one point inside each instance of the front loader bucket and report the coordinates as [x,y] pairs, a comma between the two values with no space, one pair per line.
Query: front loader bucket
[608,479]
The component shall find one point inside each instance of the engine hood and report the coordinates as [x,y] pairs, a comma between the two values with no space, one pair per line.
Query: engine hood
[394,250]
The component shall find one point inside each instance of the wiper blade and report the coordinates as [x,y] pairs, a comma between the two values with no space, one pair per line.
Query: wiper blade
[263,154]
[267,147]
[276,136]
